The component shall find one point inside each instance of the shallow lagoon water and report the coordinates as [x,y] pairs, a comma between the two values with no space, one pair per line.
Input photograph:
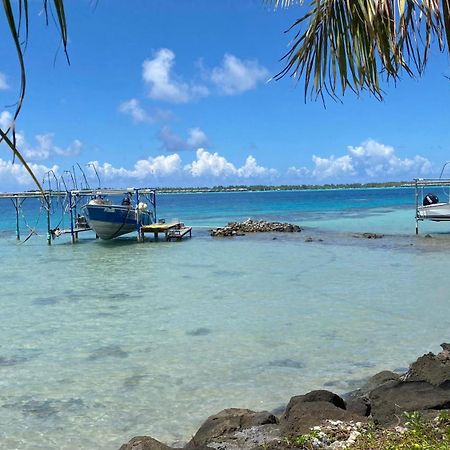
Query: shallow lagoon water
[102,341]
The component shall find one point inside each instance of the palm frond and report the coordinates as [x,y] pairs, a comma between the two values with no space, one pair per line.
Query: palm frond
[20,43]
[355,44]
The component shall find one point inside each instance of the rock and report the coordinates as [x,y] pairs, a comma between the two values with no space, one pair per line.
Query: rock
[359,405]
[369,235]
[424,387]
[144,443]
[358,402]
[381,378]
[434,369]
[321,395]
[373,235]
[393,398]
[372,383]
[308,414]
[253,226]
[306,411]
[223,426]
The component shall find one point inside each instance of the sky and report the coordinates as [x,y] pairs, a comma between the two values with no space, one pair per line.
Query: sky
[181,93]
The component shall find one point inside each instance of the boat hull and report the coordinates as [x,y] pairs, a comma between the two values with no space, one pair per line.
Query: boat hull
[111,221]
[439,212]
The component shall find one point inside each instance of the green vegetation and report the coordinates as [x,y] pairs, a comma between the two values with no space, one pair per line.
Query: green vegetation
[284,187]
[416,434]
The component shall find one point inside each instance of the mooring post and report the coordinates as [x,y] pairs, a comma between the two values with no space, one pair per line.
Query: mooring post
[138,224]
[72,233]
[17,205]
[49,225]
[154,205]
[75,215]
[417,209]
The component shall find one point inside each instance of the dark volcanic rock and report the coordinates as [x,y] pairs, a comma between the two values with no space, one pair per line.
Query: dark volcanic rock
[144,443]
[357,401]
[372,383]
[306,411]
[223,426]
[425,388]
[434,369]
[382,377]
[316,396]
[393,398]
[359,405]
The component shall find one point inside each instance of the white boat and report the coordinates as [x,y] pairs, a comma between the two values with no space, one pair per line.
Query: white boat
[110,221]
[438,212]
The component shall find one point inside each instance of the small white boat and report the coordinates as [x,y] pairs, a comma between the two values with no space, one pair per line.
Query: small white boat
[438,212]
[110,221]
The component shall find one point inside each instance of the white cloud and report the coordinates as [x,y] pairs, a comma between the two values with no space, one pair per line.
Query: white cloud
[133,108]
[171,142]
[375,160]
[6,120]
[213,165]
[235,76]
[197,138]
[332,167]
[251,169]
[3,83]
[160,166]
[14,174]
[298,172]
[164,85]
[370,160]
[206,168]
[45,147]
[210,164]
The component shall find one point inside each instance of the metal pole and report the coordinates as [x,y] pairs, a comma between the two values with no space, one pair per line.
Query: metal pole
[71,218]
[75,215]
[17,219]
[417,210]
[138,226]
[49,225]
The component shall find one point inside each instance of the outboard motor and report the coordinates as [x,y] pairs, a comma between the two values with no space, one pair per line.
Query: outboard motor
[430,199]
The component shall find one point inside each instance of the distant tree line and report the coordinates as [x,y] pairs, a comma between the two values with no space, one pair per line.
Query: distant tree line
[285,187]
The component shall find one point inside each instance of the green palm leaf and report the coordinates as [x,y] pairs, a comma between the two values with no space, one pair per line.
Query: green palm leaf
[354,44]
[15,29]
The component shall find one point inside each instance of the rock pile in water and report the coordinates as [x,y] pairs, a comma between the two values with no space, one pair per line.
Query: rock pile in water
[254,226]
[331,422]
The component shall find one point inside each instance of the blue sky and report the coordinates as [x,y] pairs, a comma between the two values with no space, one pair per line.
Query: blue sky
[177,93]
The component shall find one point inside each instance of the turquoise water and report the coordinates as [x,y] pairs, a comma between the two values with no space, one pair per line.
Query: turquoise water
[102,341]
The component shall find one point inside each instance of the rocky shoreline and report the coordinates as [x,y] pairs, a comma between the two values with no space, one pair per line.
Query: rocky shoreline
[254,226]
[333,422]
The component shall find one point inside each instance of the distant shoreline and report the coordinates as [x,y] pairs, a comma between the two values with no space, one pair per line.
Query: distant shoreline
[284,187]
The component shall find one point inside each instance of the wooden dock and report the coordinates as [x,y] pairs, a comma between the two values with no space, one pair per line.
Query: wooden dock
[172,231]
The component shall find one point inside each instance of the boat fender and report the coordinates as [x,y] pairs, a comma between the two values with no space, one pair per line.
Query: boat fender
[430,199]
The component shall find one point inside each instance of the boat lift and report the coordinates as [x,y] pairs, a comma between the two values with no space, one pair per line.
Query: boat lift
[72,199]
